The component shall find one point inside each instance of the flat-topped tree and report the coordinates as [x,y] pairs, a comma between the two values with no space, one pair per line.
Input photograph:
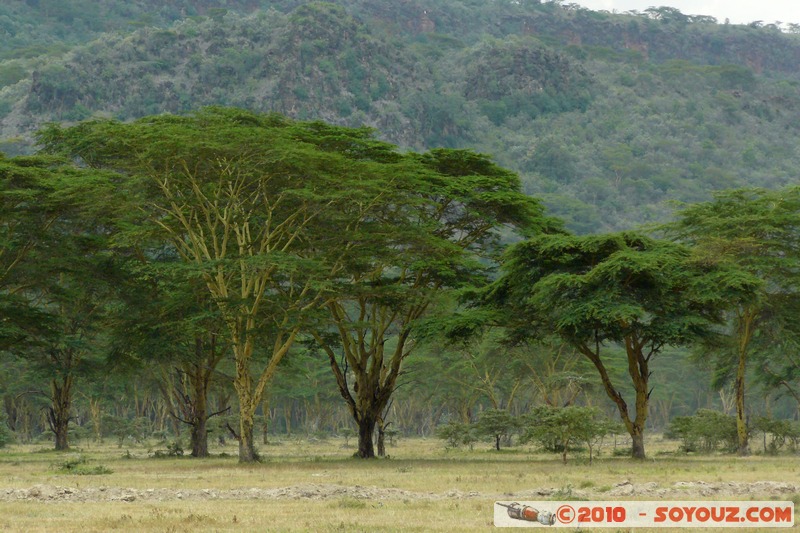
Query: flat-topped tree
[25,221]
[433,231]
[56,278]
[256,206]
[625,289]
[173,326]
[759,231]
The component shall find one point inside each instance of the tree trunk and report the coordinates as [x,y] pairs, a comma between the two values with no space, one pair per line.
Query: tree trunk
[366,427]
[62,439]
[199,411]
[265,425]
[745,327]
[497,442]
[174,422]
[375,371]
[247,450]
[247,409]
[741,422]
[199,437]
[58,414]
[381,438]
[381,443]
[637,446]
[465,411]
[94,409]
[287,418]
[638,369]
[222,403]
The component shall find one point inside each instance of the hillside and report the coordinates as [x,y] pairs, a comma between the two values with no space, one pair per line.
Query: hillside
[606,117]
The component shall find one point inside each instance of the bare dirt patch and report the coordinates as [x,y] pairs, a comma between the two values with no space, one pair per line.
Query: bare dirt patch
[311,492]
[677,490]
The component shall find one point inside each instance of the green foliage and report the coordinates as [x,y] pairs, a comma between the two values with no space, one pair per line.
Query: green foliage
[780,432]
[457,434]
[759,232]
[450,75]
[26,211]
[626,288]
[347,433]
[174,449]
[496,424]
[558,429]
[605,116]
[433,231]
[613,286]
[522,77]
[78,465]
[122,428]
[705,431]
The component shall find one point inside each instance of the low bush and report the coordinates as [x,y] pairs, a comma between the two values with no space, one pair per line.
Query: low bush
[78,465]
[456,434]
[705,431]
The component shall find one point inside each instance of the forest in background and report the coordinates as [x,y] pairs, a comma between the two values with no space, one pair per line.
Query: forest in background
[606,118]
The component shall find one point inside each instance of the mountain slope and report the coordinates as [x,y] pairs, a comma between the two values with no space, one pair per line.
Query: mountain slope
[607,117]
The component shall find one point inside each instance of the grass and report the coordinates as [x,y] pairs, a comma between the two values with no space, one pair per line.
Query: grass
[439,484]
[78,465]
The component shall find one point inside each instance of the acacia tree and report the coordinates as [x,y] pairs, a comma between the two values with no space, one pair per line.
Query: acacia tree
[565,427]
[255,206]
[496,423]
[64,289]
[426,236]
[759,231]
[24,224]
[74,344]
[625,289]
[167,322]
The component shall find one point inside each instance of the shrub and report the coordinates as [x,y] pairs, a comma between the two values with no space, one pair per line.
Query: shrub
[77,465]
[562,428]
[496,424]
[705,431]
[457,434]
[174,449]
[780,432]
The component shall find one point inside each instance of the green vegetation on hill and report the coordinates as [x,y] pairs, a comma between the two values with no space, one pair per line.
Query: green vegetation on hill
[606,117]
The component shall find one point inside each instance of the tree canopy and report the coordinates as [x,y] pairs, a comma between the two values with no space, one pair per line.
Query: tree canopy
[759,231]
[636,291]
[256,206]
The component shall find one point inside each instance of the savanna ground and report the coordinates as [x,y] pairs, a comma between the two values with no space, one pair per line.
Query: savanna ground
[318,486]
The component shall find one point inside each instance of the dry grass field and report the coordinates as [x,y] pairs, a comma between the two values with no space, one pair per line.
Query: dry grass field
[318,486]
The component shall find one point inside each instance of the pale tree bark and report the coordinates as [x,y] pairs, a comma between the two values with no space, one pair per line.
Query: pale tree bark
[214,229]
[97,417]
[486,376]
[265,425]
[544,370]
